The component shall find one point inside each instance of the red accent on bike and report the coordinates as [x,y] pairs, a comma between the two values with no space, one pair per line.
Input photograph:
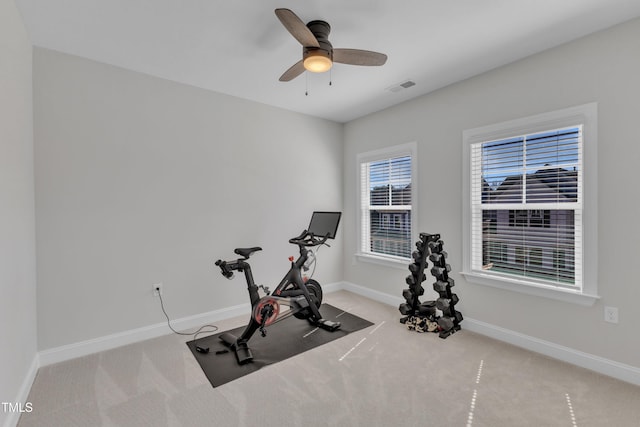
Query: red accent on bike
[257,311]
[291,258]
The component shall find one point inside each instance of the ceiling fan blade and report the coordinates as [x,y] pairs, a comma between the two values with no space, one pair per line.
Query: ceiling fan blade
[297,28]
[358,57]
[294,71]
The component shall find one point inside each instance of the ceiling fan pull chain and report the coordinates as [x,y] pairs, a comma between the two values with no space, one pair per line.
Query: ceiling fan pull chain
[330,76]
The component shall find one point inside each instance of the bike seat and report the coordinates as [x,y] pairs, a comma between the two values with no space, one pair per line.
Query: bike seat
[246,252]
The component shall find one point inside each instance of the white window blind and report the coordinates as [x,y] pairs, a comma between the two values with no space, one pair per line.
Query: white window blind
[386,201]
[526,207]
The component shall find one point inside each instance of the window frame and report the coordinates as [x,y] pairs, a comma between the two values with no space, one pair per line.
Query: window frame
[585,115]
[406,149]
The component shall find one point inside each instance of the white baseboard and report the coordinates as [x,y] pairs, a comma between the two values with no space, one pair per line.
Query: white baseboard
[621,371]
[332,287]
[608,367]
[23,393]
[83,348]
[95,345]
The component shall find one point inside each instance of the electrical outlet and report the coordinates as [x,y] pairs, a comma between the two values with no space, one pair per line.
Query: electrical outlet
[611,314]
[157,289]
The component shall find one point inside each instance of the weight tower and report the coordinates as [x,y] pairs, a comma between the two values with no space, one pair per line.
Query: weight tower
[430,246]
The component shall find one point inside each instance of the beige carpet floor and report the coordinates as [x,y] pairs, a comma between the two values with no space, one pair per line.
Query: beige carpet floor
[384,375]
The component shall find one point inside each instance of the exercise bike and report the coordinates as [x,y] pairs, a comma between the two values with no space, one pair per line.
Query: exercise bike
[303,296]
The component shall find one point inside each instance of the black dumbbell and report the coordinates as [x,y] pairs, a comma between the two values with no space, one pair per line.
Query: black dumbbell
[446,323]
[447,303]
[439,271]
[408,295]
[439,258]
[405,309]
[458,317]
[411,280]
[427,308]
[440,287]
[436,246]
[414,267]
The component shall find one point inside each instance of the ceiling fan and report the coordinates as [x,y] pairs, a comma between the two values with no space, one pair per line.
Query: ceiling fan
[318,55]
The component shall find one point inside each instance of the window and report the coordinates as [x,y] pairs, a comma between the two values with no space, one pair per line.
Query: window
[530,172]
[387,200]
[527,183]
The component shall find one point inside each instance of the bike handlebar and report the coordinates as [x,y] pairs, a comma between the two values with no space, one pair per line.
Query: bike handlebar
[226,272]
[308,239]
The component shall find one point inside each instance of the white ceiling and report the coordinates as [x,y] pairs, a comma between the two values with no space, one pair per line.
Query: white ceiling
[240,48]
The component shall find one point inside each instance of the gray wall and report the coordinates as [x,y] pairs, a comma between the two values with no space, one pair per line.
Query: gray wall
[17,239]
[140,180]
[603,67]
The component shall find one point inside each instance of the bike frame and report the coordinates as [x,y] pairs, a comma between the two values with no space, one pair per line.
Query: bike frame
[293,276]
[298,297]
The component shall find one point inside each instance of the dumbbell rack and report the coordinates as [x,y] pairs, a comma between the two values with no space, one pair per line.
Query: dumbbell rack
[430,246]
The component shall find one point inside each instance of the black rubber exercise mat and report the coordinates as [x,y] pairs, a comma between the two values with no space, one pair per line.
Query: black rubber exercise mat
[284,339]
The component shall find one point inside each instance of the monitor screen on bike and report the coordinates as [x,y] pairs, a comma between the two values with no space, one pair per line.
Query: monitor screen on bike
[323,223]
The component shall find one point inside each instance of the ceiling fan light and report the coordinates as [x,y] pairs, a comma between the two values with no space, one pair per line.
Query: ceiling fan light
[317,62]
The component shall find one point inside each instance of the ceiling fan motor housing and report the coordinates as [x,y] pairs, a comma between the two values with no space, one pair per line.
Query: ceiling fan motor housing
[320,30]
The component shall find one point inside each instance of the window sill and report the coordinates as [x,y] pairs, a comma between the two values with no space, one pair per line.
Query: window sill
[559,294]
[395,262]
